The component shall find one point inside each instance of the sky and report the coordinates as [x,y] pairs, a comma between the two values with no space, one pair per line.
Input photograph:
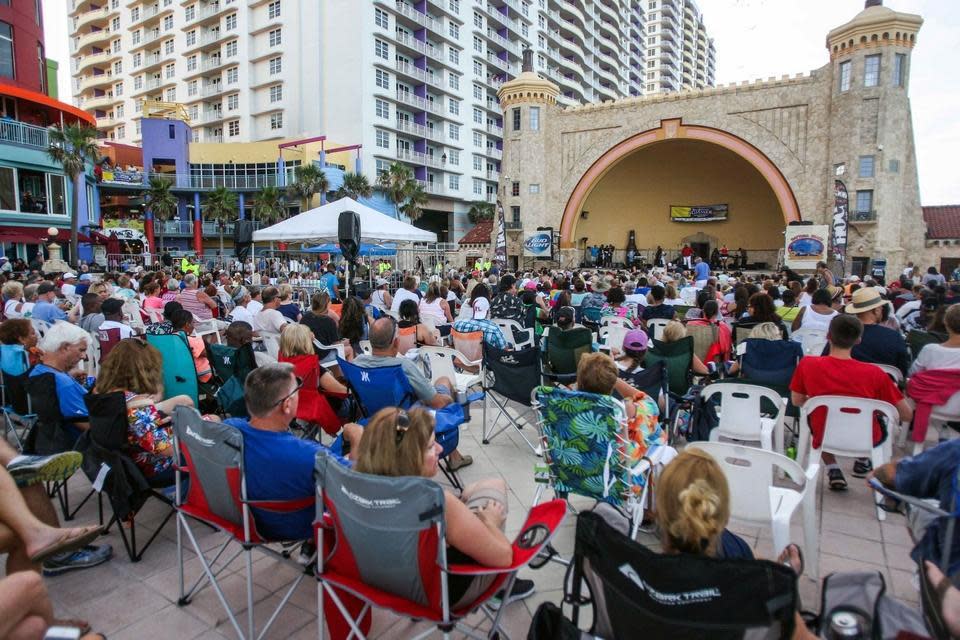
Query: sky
[757,39]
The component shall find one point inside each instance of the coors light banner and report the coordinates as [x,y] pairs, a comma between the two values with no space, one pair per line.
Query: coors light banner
[840,209]
[500,252]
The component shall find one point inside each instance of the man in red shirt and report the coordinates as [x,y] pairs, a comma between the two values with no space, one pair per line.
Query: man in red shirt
[839,374]
[687,253]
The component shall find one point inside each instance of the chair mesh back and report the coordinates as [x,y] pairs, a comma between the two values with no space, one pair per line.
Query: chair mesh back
[703,338]
[385,528]
[564,349]
[213,452]
[642,594]
[581,431]
[224,360]
[678,357]
[179,371]
[108,419]
[13,359]
[378,387]
[512,374]
[108,339]
[652,380]
[48,435]
[771,361]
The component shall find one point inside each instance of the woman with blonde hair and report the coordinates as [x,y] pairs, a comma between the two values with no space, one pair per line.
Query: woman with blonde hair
[288,308]
[400,443]
[674,331]
[135,368]
[296,348]
[12,293]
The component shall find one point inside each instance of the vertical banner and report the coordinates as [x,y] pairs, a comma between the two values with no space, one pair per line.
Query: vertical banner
[841,206]
[500,251]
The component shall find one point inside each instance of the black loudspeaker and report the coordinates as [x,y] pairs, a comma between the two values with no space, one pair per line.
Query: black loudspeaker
[349,235]
[243,232]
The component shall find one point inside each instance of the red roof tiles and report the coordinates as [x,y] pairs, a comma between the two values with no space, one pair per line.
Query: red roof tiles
[480,234]
[943,222]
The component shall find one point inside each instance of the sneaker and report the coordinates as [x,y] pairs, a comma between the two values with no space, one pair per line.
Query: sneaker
[308,554]
[862,467]
[28,470]
[89,556]
[521,589]
[836,479]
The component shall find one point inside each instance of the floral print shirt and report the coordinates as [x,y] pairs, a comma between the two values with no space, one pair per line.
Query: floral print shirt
[147,439]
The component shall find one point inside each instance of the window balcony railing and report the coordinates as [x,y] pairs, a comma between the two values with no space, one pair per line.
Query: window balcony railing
[28,135]
[863,216]
[203,183]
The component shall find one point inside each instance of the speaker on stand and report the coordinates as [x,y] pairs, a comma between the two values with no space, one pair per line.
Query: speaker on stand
[348,234]
[242,238]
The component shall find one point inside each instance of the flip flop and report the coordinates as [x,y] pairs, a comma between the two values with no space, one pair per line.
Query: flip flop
[785,557]
[66,542]
[83,625]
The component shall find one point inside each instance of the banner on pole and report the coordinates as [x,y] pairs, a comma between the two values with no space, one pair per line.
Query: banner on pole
[500,251]
[538,244]
[805,245]
[841,206]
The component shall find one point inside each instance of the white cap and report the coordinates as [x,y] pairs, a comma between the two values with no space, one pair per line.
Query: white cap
[481,306]
[69,275]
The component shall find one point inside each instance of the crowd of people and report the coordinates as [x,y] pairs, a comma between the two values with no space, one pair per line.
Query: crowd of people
[299,332]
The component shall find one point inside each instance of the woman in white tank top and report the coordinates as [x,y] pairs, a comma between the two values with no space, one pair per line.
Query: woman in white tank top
[433,308]
[818,315]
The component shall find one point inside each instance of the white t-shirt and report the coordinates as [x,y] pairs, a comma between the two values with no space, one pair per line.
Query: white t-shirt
[254,307]
[10,309]
[242,314]
[400,296]
[125,330]
[936,356]
[68,290]
[269,320]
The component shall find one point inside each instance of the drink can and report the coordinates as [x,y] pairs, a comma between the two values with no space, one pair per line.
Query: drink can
[792,453]
[847,625]
[90,382]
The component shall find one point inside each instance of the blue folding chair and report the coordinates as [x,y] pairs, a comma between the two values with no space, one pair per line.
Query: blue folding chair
[377,388]
[18,415]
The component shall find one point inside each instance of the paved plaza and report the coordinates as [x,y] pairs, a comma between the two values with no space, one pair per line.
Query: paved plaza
[136,601]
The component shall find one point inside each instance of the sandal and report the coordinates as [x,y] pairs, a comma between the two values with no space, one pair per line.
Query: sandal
[70,540]
[836,479]
[83,625]
[785,558]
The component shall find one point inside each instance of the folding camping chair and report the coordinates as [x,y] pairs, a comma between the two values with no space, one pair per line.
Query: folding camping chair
[314,410]
[562,354]
[704,336]
[509,376]
[179,371]
[18,415]
[231,365]
[382,541]
[631,590]
[126,487]
[377,388]
[678,357]
[653,381]
[107,339]
[212,454]
[584,444]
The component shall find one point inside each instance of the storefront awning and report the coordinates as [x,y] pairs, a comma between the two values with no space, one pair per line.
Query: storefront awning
[35,235]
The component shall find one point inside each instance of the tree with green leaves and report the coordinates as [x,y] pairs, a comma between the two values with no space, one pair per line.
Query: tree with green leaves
[396,183]
[73,146]
[220,205]
[160,201]
[480,210]
[268,205]
[308,180]
[417,199]
[355,185]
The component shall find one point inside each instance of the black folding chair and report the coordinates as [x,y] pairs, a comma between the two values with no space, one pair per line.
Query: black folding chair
[509,376]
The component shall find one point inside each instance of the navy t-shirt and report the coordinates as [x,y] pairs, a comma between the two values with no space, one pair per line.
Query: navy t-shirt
[279,466]
[882,345]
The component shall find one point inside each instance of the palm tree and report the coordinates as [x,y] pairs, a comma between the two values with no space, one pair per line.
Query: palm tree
[73,146]
[480,210]
[416,200]
[160,201]
[397,182]
[355,185]
[308,180]
[268,206]
[220,205]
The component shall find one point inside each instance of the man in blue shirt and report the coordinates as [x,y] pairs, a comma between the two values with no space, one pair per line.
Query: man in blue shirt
[46,309]
[64,345]
[329,281]
[702,272]
[278,464]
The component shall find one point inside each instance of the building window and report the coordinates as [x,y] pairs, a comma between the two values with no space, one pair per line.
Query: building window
[191,88]
[871,71]
[477,44]
[453,131]
[275,38]
[276,119]
[121,132]
[190,12]
[453,81]
[515,114]
[383,139]
[167,46]
[276,93]
[454,158]
[381,49]
[381,19]
[845,76]
[382,109]
[534,188]
[231,22]
[478,115]
[477,69]
[137,83]
[515,216]
[453,30]
[168,23]
[137,60]
[382,79]
[477,139]
[477,187]
[453,56]
[864,201]
[899,66]
[233,102]
[118,111]
[867,166]
[171,95]
[7,69]
[233,128]
[276,66]
[233,75]
[231,49]
[191,38]
[534,118]
[118,89]
[454,182]
[191,63]
[477,163]
[273,11]
[453,106]
[115,24]
[169,71]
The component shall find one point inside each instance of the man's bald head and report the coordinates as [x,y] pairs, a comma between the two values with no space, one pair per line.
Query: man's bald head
[382,333]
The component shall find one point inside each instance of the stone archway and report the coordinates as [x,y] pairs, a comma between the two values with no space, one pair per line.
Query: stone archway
[675,130]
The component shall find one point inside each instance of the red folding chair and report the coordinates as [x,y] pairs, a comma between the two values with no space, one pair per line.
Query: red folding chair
[212,455]
[314,408]
[108,339]
[383,545]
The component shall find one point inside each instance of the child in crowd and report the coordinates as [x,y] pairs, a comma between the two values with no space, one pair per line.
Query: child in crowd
[182,320]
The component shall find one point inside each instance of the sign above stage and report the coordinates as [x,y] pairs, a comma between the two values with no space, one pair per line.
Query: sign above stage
[805,245]
[701,213]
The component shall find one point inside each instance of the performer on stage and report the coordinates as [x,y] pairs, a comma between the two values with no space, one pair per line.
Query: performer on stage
[687,254]
[724,256]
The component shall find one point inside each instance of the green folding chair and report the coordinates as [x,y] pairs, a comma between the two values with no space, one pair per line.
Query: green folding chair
[678,356]
[179,371]
[562,355]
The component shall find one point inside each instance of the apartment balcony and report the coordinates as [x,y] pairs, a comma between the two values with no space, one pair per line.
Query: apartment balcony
[416,17]
[24,135]
[213,89]
[90,82]
[434,134]
[571,31]
[98,102]
[504,65]
[493,175]
[148,39]
[106,122]
[493,152]
[207,15]
[571,12]
[210,39]
[417,46]
[511,24]
[96,17]
[98,37]
[421,104]
[423,159]
[150,84]
[433,188]
[449,8]
[104,59]
[603,9]
[571,48]
[206,67]
[494,129]
[500,43]
[153,61]
[515,7]
[212,116]
[79,7]
[185,227]
[150,14]
[421,76]
[571,66]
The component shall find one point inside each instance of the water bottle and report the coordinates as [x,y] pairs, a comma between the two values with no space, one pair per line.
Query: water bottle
[847,625]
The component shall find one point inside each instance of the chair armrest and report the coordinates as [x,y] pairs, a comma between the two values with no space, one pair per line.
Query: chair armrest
[812,472]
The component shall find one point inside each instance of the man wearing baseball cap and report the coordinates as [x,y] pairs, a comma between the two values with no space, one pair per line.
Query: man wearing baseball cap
[69,286]
[45,308]
[879,344]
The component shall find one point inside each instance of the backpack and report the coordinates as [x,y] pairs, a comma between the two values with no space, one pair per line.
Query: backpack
[699,420]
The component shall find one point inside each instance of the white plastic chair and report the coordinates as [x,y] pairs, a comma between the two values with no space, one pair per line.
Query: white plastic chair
[441,364]
[209,327]
[848,431]
[40,326]
[92,365]
[656,326]
[271,342]
[615,321]
[508,327]
[741,418]
[612,335]
[939,416]
[895,374]
[338,347]
[748,471]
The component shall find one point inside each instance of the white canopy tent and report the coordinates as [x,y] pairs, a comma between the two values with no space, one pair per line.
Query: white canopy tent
[320,225]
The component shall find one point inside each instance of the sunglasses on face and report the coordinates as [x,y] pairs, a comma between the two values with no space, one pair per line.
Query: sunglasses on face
[290,395]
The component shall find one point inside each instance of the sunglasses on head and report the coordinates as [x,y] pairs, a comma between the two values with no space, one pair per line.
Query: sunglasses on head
[401,424]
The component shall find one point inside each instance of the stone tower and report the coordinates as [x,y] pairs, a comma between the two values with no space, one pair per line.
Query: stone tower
[871,143]
[529,104]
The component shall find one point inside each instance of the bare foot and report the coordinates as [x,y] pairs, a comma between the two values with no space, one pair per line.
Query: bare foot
[50,541]
[949,600]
